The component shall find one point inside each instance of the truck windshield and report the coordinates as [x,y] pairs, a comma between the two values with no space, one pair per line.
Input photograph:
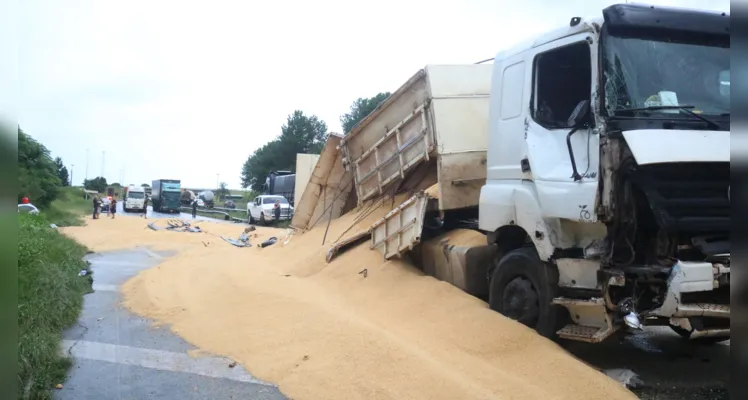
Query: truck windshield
[642,73]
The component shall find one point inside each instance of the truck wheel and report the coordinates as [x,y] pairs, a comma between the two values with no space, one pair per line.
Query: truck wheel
[251,220]
[522,288]
[262,219]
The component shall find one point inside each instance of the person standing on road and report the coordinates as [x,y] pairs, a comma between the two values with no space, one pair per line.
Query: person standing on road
[277,210]
[145,207]
[113,206]
[194,208]
[96,207]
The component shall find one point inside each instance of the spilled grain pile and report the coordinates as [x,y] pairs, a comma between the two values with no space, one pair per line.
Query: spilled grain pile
[324,331]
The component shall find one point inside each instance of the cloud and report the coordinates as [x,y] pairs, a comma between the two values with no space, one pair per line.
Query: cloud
[187,89]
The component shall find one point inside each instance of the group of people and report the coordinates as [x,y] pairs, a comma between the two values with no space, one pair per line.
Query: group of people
[111,210]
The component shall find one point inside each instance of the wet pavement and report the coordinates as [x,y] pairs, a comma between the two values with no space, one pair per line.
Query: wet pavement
[119,355]
[666,366]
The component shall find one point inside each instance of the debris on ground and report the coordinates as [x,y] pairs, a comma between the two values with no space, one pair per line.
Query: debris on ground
[232,365]
[243,240]
[269,242]
[175,225]
[59,386]
[83,272]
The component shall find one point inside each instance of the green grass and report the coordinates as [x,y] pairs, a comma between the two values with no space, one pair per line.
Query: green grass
[68,208]
[50,297]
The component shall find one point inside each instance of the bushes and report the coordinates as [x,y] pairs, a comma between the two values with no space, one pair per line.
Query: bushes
[68,208]
[50,297]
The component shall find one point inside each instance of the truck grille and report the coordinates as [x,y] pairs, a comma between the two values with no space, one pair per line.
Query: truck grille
[691,197]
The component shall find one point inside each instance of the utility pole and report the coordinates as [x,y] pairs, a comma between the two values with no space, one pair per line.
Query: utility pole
[103,154]
[86,163]
[71,174]
[217,176]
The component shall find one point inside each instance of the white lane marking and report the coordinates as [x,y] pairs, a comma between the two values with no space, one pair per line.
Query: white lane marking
[152,254]
[101,287]
[158,359]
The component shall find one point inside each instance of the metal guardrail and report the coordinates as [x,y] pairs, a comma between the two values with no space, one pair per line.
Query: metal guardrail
[218,210]
[225,212]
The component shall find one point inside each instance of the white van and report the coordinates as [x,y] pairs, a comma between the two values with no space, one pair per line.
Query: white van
[134,199]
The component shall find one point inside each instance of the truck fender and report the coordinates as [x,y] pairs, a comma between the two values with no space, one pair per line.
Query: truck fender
[507,203]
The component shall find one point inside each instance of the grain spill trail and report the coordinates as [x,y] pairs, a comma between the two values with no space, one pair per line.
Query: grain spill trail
[323,331]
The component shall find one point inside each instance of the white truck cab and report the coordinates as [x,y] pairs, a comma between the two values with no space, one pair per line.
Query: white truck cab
[261,209]
[134,199]
[608,175]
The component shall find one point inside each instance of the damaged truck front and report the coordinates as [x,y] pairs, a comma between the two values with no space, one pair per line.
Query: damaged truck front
[595,159]
[663,119]
[619,214]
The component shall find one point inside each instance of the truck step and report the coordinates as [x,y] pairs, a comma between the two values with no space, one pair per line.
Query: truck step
[582,333]
[591,321]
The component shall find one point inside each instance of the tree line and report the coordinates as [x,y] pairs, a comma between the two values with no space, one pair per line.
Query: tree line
[39,176]
[300,134]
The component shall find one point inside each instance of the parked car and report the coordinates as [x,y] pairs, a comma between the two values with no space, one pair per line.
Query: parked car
[105,202]
[27,208]
[261,209]
[229,204]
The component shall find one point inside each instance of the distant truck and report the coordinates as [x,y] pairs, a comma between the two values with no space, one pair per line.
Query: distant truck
[207,197]
[187,196]
[281,183]
[134,198]
[166,195]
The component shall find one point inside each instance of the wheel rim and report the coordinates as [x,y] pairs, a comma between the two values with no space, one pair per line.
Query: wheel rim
[520,301]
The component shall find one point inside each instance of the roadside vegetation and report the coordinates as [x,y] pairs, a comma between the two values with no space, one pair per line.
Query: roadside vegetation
[50,283]
[50,297]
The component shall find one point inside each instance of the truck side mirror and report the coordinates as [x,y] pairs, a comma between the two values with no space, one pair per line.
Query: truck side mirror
[580,115]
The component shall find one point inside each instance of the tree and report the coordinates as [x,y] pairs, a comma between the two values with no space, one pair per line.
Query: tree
[360,109]
[38,177]
[98,184]
[145,185]
[300,134]
[62,172]
[222,190]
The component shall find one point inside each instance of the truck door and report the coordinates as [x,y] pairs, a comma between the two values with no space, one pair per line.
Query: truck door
[253,208]
[564,74]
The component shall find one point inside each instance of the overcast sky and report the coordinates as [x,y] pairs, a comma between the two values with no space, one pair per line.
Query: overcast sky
[188,89]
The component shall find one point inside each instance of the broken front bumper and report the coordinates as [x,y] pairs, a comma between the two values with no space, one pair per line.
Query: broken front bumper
[700,279]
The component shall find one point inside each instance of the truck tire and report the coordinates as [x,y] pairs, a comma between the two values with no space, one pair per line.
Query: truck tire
[522,288]
[251,220]
[263,222]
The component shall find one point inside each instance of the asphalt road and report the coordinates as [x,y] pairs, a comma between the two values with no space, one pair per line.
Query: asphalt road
[123,356]
[119,355]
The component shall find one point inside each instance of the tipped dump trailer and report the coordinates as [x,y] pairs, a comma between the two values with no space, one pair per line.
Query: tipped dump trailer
[602,209]
[439,118]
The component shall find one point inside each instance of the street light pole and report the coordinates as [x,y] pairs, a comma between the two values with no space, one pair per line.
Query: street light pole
[72,166]
[86,164]
[103,154]
[217,179]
